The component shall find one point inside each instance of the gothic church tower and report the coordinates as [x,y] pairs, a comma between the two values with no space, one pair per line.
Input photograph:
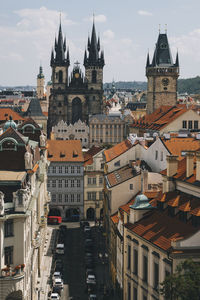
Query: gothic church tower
[59,64]
[162,75]
[77,96]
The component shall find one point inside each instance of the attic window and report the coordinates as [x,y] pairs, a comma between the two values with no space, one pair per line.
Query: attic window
[50,154]
[62,154]
[163,46]
[75,153]
[9,145]
[29,129]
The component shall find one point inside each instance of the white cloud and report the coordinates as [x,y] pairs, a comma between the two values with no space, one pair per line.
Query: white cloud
[97,18]
[28,42]
[144,13]
[108,34]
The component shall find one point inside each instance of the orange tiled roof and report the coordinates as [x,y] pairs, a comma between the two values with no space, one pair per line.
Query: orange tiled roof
[115,218]
[117,150]
[161,117]
[160,229]
[5,113]
[64,150]
[88,156]
[176,145]
[120,175]
[45,113]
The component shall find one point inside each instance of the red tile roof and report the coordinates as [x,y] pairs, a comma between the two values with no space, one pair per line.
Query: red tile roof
[115,218]
[64,150]
[161,117]
[176,145]
[160,229]
[88,156]
[117,150]
[5,113]
[120,175]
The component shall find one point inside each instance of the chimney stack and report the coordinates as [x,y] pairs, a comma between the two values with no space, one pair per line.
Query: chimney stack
[172,165]
[189,163]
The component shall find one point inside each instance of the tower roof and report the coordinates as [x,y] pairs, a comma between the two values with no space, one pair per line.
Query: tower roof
[94,58]
[60,49]
[34,108]
[40,75]
[162,54]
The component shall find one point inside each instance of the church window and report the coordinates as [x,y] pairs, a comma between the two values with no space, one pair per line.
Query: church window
[60,76]
[94,76]
[190,124]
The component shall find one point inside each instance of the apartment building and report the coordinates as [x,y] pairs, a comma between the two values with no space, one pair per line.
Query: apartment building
[66,178]
[93,183]
[163,231]
[23,211]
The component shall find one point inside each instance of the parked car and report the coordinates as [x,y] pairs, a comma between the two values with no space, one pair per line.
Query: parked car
[55,296]
[89,271]
[60,249]
[57,289]
[56,274]
[58,283]
[87,229]
[91,279]
[88,242]
[92,297]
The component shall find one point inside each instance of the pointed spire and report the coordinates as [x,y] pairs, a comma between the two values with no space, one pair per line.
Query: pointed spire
[98,44]
[55,44]
[148,61]
[52,57]
[85,57]
[177,60]
[102,58]
[64,44]
[68,60]
[162,54]
[88,45]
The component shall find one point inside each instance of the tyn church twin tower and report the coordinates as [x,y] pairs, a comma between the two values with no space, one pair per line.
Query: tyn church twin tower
[75,97]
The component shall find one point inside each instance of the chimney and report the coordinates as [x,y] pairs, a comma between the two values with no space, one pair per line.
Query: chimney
[198,166]
[189,163]
[172,165]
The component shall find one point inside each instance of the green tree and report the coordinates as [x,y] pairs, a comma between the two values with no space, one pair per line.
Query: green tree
[184,284]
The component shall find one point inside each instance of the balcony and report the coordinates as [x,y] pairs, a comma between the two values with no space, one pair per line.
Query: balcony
[12,273]
[21,199]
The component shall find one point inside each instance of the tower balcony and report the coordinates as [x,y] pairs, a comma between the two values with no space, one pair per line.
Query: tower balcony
[162,71]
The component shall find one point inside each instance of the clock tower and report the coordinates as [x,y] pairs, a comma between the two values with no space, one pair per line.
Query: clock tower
[162,75]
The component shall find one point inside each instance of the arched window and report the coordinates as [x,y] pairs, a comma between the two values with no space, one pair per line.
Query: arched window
[8,145]
[29,129]
[60,76]
[94,76]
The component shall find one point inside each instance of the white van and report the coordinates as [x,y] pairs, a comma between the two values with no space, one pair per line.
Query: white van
[60,249]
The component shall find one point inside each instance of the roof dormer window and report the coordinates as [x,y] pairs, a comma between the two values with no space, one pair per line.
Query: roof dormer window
[8,145]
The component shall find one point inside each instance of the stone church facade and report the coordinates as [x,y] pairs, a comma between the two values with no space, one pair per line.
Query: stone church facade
[77,96]
[162,75]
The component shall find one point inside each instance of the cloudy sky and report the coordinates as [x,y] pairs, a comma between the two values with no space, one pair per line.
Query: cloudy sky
[127,30]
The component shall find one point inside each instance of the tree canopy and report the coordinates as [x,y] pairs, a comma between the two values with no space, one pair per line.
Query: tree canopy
[184,284]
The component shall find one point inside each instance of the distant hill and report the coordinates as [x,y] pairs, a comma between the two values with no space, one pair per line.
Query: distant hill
[190,85]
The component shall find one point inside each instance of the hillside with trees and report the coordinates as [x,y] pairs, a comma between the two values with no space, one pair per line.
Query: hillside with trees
[190,85]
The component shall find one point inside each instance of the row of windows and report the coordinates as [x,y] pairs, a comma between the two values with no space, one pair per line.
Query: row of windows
[108,140]
[93,195]
[66,198]
[64,183]
[106,126]
[190,124]
[76,130]
[133,266]
[93,181]
[65,169]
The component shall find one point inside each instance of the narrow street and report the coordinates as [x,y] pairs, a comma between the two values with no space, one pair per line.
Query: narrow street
[74,273]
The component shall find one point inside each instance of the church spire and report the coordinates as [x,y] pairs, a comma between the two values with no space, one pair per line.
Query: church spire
[60,49]
[148,61]
[162,54]
[177,61]
[93,47]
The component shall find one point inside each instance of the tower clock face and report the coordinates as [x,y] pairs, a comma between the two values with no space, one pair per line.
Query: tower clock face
[76,75]
[165,81]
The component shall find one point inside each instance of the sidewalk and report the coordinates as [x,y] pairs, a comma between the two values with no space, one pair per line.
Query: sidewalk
[44,286]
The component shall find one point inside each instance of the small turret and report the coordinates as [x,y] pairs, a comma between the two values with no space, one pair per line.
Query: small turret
[148,60]
[177,61]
